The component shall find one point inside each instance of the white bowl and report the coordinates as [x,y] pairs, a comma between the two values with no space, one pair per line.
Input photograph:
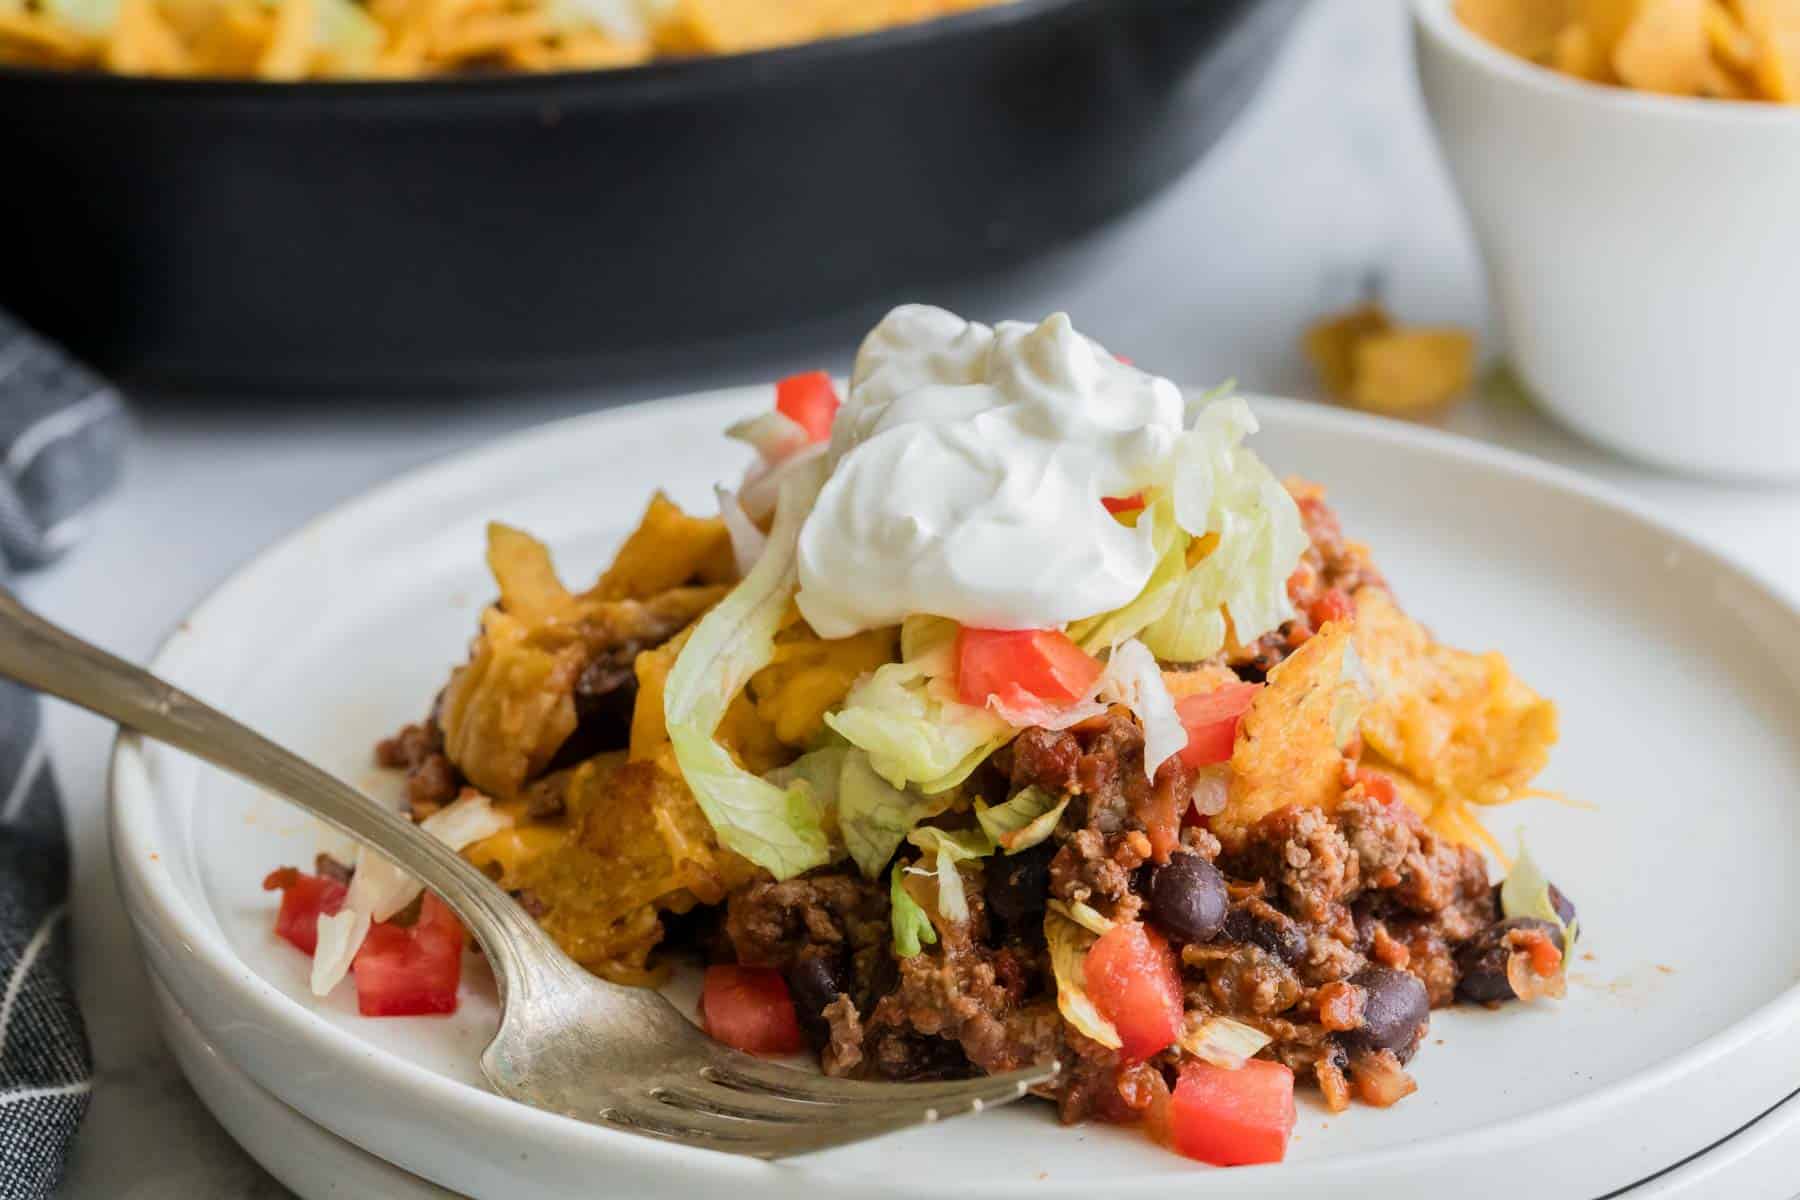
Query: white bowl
[1677,672]
[1643,251]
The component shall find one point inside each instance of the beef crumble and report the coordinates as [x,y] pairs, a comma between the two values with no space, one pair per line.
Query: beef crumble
[432,781]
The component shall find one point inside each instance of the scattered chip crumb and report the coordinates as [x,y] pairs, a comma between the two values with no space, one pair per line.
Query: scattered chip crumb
[1665,970]
[1363,358]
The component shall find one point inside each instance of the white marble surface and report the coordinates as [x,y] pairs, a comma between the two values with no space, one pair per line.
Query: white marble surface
[1331,179]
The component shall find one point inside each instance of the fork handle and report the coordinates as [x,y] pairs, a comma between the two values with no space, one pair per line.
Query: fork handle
[51,660]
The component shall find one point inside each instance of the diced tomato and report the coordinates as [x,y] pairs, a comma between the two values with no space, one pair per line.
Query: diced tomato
[303,898]
[412,970]
[1132,979]
[1024,667]
[1377,787]
[749,1009]
[810,402]
[1211,720]
[1123,504]
[1332,605]
[1233,1118]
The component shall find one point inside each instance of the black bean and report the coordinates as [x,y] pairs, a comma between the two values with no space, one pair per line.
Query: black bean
[1266,926]
[1481,961]
[1188,899]
[1565,907]
[1018,885]
[814,983]
[1396,1012]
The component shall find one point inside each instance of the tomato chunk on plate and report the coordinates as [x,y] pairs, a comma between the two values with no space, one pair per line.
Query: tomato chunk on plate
[1023,667]
[1233,1118]
[1132,979]
[749,1009]
[1211,720]
[413,970]
[303,899]
[810,402]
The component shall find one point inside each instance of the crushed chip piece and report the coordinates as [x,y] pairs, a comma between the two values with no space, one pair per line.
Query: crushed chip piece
[1362,357]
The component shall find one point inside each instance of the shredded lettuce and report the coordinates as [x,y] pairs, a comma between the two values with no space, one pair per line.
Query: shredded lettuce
[379,888]
[947,848]
[1084,915]
[747,541]
[1222,488]
[1223,1042]
[773,435]
[1526,893]
[1133,678]
[910,923]
[1100,633]
[1069,945]
[1022,822]
[873,815]
[914,732]
[778,828]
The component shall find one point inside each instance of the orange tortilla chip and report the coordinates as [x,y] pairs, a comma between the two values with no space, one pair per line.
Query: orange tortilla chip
[1330,344]
[1287,750]
[1411,370]
[1665,48]
[1527,28]
[1461,726]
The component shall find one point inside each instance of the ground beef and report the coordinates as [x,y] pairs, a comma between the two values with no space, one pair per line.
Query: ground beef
[431,780]
[826,914]
[1304,854]
[1097,870]
[843,1052]
[991,1001]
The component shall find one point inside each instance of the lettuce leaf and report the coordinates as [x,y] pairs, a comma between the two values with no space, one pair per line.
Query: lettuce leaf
[1022,822]
[1100,633]
[1222,488]
[773,435]
[873,815]
[1069,945]
[778,828]
[947,848]
[913,730]
[1084,915]
[1525,892]
[1223,1042]
[910,923]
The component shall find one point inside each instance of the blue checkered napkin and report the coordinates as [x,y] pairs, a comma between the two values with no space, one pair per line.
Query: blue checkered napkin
[61,439]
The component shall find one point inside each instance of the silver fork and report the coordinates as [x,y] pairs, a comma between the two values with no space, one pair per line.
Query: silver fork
[568,1042]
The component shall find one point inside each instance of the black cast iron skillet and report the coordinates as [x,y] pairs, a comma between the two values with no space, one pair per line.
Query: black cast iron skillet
[518,230]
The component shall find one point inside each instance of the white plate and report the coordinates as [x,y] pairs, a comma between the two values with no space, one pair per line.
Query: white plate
[305,1157]
[1679,677]
[1754,1164]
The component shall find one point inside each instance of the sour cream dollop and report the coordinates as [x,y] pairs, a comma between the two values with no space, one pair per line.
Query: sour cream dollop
[968,467]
